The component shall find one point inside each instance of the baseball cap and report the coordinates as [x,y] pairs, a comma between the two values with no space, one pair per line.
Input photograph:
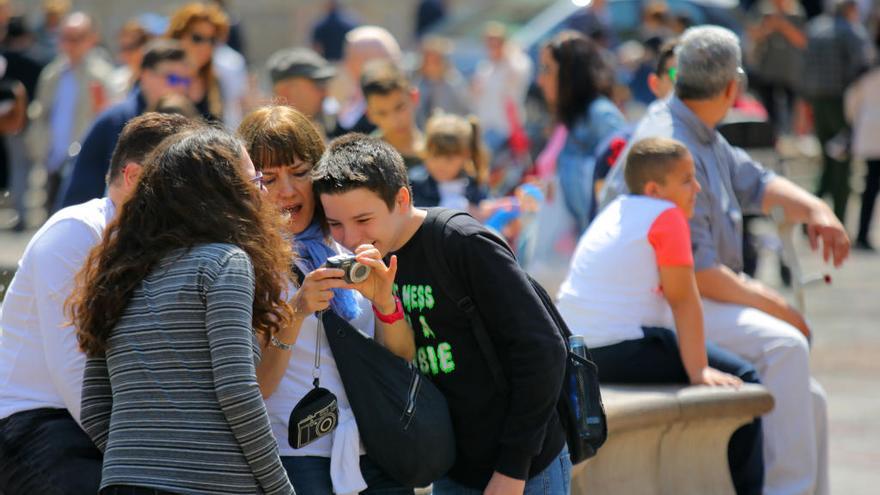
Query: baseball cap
[299,62]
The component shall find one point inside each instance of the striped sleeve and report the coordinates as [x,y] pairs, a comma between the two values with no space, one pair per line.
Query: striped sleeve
[97,401]
[229,299]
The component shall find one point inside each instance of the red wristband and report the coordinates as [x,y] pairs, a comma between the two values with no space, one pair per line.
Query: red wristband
[393,317]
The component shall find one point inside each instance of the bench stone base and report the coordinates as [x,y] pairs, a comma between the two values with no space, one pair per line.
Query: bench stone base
[669,440]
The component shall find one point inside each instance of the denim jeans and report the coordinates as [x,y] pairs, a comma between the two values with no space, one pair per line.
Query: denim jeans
[310,475]
[555,479]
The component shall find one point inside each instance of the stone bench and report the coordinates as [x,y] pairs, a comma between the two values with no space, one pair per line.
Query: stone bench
[668,440]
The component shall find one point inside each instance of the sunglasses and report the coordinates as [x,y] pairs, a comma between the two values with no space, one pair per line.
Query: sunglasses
[259,181]
[199,39]
[176,80]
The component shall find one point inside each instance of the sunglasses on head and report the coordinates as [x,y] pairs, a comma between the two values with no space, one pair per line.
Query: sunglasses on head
[199,39]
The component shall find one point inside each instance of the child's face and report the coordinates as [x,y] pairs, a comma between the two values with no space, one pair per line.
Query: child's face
[680,187]
[445,168]
[392,113]
[360,216]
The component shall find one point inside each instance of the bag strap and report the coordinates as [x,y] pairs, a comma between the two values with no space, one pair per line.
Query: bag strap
[435,224]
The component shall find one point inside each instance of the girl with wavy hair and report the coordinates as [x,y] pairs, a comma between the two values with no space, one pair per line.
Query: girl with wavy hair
[168,309]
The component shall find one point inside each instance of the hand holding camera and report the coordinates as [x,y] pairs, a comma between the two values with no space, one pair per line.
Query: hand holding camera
[317,290]
[368,275]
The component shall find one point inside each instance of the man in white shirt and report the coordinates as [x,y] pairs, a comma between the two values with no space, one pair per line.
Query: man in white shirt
[42,448]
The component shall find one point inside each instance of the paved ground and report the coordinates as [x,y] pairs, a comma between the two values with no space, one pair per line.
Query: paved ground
[846,353]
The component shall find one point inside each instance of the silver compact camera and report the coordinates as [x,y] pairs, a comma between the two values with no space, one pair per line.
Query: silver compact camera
[355,272]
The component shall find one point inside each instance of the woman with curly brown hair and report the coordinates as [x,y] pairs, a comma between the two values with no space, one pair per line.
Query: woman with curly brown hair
[168,309]
[199,28]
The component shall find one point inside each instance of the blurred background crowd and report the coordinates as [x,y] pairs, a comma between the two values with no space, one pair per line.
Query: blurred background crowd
[73,72]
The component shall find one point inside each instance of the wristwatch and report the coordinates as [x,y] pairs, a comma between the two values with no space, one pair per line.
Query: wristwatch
[393,317]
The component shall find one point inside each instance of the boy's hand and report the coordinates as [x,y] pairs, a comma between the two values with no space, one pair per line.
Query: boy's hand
[504,485]
[715,378]
[378,286]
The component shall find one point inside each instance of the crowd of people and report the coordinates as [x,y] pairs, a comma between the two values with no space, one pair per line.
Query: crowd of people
[166,322]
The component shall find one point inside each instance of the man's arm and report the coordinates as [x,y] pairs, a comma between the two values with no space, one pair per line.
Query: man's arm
[57,257]
[802,207]
[721,284]
[526,337]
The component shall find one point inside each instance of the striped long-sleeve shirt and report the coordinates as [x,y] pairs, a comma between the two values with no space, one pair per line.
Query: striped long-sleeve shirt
[175,403]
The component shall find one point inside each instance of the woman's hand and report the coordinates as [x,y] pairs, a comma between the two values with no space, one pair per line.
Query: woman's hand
[317,290]
[378,286]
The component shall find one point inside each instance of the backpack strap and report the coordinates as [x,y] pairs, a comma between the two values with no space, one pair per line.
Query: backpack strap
[435,226]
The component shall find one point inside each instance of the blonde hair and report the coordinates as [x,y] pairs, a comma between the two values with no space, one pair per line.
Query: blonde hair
[453,135]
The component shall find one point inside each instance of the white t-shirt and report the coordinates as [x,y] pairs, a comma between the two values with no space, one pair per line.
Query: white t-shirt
[613,285]
[41,365]
[297,380]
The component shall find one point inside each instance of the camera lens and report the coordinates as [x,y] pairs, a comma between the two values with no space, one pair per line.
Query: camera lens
[358,272]
[326,424]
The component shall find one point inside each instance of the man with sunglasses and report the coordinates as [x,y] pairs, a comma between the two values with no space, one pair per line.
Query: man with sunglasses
[741,314]
[163,72]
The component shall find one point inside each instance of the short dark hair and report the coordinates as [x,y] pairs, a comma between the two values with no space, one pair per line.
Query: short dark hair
[141,135]
[161,50]
[382,77]
[356,161]
[666,53]
[651,159]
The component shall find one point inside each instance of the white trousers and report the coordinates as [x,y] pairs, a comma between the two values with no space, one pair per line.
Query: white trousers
[795,431]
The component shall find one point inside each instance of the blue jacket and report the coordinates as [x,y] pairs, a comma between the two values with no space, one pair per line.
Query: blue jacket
[577,160]
[87,179]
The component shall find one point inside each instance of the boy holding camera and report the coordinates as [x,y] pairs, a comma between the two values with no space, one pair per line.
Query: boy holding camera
[632,280]
[506,442]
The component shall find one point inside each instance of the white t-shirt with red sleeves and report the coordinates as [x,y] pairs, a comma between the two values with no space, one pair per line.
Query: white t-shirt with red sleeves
[613,285]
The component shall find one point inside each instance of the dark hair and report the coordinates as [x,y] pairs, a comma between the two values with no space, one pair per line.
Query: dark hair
[584,74]
[192,192]
[354,161]
[666,53]
[276,135]
[161,50]
[651,159]
[140,136]
[383,77]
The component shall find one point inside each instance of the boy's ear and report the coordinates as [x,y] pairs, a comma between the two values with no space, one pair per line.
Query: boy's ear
[652,189]
[403,200]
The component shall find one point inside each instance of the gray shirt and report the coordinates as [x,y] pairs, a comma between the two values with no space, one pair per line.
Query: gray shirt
[174,404]
[733,183]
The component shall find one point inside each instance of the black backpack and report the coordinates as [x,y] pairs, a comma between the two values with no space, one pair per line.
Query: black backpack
[584,434]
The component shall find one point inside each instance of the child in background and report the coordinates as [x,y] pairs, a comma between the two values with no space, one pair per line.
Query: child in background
[632,281]
[391,107]
[455,165]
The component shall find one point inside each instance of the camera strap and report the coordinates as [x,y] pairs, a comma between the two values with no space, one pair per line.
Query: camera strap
[319,330]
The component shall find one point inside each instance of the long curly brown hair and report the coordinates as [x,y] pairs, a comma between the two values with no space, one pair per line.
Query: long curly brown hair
[192,191]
